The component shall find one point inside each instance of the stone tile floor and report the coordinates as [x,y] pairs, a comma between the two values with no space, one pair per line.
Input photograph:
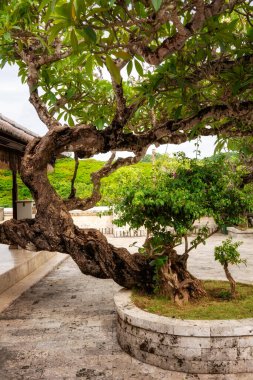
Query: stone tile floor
[64,328]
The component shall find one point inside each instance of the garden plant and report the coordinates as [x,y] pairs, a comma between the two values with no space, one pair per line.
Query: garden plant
[169,201]
[227,253]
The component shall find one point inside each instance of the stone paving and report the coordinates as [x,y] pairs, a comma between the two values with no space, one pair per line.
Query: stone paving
[64,328]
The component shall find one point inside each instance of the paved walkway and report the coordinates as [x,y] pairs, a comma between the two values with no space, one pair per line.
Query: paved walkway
[64,328]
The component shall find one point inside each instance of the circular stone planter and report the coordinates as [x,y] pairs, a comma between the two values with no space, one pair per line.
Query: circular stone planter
[192,346]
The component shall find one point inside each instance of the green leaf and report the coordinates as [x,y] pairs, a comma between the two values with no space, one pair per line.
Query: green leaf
[111,3]
[54,31]
[80,7]
[60,115]
[232,25]
[90,33]
[139,57]
[71,121]
[74,40]
[140,9]
[45,76]
[113,69]
[7,36]
[178,111]
[89,67]
[2,64]
[73,11]
[151,101]
[99,60]
[138,67]
[52,97]
[99,123]
[250,33]
[70,92]
[129,67]
[157,4]
[64,11]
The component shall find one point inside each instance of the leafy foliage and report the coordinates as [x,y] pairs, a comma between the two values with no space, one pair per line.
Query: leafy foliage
[99,34]
[61,178]
[227,253]
[172,197]
[176,198]
[6,189]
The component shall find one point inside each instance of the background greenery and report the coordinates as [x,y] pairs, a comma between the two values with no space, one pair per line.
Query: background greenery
[111,186]
[61,179]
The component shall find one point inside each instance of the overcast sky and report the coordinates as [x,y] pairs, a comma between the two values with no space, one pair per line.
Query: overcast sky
[15,105]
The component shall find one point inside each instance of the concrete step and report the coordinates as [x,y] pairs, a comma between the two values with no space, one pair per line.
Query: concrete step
[9,295]
[15,264]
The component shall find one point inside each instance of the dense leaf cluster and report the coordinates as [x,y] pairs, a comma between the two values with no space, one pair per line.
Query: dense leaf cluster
[209,64]
[227,253]
[177,197]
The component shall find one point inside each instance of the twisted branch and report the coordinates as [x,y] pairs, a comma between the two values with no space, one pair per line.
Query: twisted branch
[175,43]
[110,167]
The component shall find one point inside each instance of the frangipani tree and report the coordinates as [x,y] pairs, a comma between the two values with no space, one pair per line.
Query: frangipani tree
[176,70]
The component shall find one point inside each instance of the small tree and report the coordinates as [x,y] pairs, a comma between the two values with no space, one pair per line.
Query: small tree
[167,206]
[227,253]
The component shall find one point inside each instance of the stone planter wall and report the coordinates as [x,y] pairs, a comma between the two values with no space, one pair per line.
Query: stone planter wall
[219,346]
[240,234]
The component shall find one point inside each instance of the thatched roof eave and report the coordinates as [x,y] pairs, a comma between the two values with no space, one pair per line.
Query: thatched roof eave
[13,140]
[15,130]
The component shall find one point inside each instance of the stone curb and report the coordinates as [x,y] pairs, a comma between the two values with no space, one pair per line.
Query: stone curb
[192,346]
[180,327]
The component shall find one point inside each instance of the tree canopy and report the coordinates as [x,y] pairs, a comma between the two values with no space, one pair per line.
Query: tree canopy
[177,69]
[178,196]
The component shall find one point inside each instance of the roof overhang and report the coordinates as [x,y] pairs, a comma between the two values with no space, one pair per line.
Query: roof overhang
[13,140]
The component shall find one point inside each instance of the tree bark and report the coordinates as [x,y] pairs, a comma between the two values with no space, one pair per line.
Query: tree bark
[53,228]
[176,281]
[230,279]
[88,248]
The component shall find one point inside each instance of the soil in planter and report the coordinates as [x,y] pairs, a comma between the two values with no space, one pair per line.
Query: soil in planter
[217,305]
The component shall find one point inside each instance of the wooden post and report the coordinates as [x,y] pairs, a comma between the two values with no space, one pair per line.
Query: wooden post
[14,193]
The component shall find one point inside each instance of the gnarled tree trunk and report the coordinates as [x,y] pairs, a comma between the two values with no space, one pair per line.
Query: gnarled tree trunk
[176,281]
[53,228]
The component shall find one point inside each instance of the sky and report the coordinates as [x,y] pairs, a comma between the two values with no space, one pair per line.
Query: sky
[15,105]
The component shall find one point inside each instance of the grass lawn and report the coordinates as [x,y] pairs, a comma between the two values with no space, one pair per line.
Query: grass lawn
[217,304]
